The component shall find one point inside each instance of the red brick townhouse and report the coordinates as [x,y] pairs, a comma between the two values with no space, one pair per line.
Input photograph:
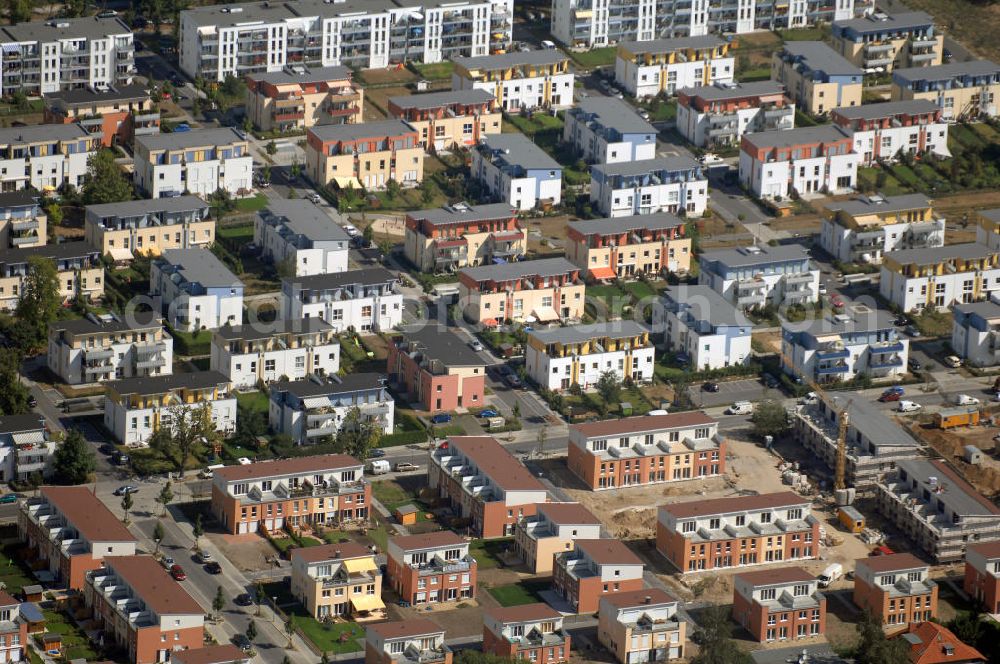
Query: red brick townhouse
[896,588]
[139,607]
[779,604]
[528,633]
[982,574]
[71,530]
[224,654]
[13,630]
[327,488]
[648,449]
[485,483]
[735,532]
[436,370]
[432,567]
[931,643]
[414,641]
[595,568]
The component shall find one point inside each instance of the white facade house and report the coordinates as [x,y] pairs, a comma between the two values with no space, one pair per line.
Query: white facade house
[606,130]
[200,161]
[282,350]
[519,80]
[914,279]
[806,160]
[514,170]
[883,132]
[703,328]
[719,115]
[864,229]
[45,157]
[364,301]
[316,407]
[95,349]
[664,66]
[755,276]
[25,447]
[975,332]
[196,289]
[664,184]
[298,233]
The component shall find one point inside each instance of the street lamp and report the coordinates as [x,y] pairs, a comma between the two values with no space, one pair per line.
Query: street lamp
[274,609]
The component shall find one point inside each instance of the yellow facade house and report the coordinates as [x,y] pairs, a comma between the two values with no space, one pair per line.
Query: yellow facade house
[298,98]
[818,78]
[963,90]
[880,42]
[338,581]
[636,623]
[148,227]
[78,266]
[366,155]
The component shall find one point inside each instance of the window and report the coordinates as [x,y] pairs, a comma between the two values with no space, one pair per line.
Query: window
[688,527]
[768,593]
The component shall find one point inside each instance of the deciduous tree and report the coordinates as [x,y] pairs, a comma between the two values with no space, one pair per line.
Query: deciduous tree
[769,419]
[73,461]
[165,496]
[39,303]
[609,387]
[104,181]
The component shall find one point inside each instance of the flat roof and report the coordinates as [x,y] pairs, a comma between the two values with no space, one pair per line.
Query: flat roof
[463,213]
[947,71]
[336,551]
[19,198]
[361,130]
[818,56]
[986,309]
[886,22]
[57,29]
[891,562]
[494,460]
[671,45]
[282,467]
[41,133]
[545,56]
[302,74]
[154,585]
[437,342]
[638,598]
[197,265]
[19,423]
[196,138]
[770,577]
[934,255]
[247,14]
[53,251]
[87,513]
[660,221]
[148,206]
[865,205]
[350,382]
[267,330]
[860,318]
[887,109]
[304,218]
[576,334]
[788,138]
[542,267]
[643,166]
[608,552]
[568,513]
[432,540]
[958,494]
[613,113]
[432,100]
[365,276]
[519,150]
[642,424]
[403,629]
[137,321]
[721,92]
[149,385]
[706,304]
[92,96]
[705,507]
[756,255]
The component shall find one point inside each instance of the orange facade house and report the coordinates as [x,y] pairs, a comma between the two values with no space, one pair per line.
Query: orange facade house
[432,567]
[528,633]
[462,235]
[627,247]
[896,588]
[298,98]
[553,530]
[594,569]
[781,604]
[982,575]
[322,489]
[737,532]
[445,120]
[543,290]
[115,115]
[367,155]
[13,630]
[414,641]
[436,370]
[932,643]
[70,530]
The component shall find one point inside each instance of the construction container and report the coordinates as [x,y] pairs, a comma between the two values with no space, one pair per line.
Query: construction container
[851,519]
[963,416]
[972,455]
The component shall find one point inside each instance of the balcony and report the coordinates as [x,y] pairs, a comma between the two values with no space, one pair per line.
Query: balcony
[923,58]
[879,48]
[832,353]
[799,278]
[885,363]
[832,369]
[98,370]
[24,240]
[94,354]
[289,117]
[923,42]
[887,347]
[751,299]
[23,226]
[878,61]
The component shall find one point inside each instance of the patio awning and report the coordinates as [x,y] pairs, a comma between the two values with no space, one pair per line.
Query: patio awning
[344,182]
[545,314]
[489,322]
[367,602]
[360,565]
[603,273]
[120,253]
[316,402]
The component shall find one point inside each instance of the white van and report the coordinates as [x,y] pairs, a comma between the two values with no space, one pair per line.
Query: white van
[831,574]
[209,471]
[965,400]
[379,467]
[658,411]
[908,407]
[740,408]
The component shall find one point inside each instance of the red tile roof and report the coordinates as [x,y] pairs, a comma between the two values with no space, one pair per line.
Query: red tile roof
[224,654]
[440,538]
[569,513]
[641,423]
[6,599]
[633,598]
[770,577]
[608,552]
[496,462]
[153,585]
[523,613]
[697,508]
[295,466]
[891,562]
[402,629]
[986,549]
[341,551]
[933,643]
[85,512]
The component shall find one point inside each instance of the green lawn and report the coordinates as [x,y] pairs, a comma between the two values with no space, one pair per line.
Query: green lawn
[818,33]
[754,74]
[12,575]
[239,233]
[435,71]
[333,638]
[191,343]
[934,323]
[595,57]
[252,204]
[256,400]
[487,552]
[516,594]
[74,642]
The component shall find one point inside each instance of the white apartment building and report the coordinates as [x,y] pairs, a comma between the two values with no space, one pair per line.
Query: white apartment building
[864,229]
[913,279]
[316,407]
[196,289]
[364,301]
[66,54]
[664,66]
[753,276]
[559,357]
[664,184]
[200,161]
[514,170]
[520,80]
[975,332]
[606,130]
[251,38]
[719,115]
[703,328]
[44,157]
[805,160]
[883,132]
[299,234]
[26,448]
[95,349]
[284,349]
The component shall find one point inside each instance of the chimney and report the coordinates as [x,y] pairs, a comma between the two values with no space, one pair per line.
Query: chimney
[648,599]
[336,554]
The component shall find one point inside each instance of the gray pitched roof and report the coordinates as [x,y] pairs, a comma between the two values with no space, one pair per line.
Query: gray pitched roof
[196,138]
[887,109]
[876,205]
[351,382]
[366,276]
[706,304]
[719,92]
[515,59]
[353,132]
[987,309]
[571,334]
[431,100]
[671,45]
[643,166]
[788,138]
[302,75]
[163,384]
[40,133]
[817,56]
[900,21]
[268,330]
[198,266]
[148,206]
[612,113]
[463,212]
[947,71]
[91,96]
[437,342]
[958,495]
[638,222]
[303,218]
[929,256]
[759,255]
[518,150]
[543,267]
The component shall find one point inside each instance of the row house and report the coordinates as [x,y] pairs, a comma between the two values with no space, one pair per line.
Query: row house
[44,157]
[552,530]
[841,347]
[201,162]
[138,607]
[775,165]
[664,66]
[318,407]
[270,495]
[129,229]
[96,349]
[816,77]
[136,408]
[629,247]
[962,90]
[717,116]
[981,581]
[887,130]
[641,626]
[936,278]
[300,238]
[436,369]
[449,119]
[484,483]
[975,332]
[513,169]
[298,97]
[874,443]
[881,42]
[937,510]
[779,604]
[863,229]
[364,301]
[560,357]
[264,352]
[115,114]
[339,581]
[527,633]
[703,328]
[755,276]
[606,130]
[224,654]
[23,222]
[66,54]
[196,290]
[896,589]
[412,641]
[543,290]
[365,155]
[519,80]
[253,38]
[26,448]
[79,271]
[594,569]
[15,618]
[68,531]
[648,449]
[431,568]
[737,532]
[463,235]
[677,185]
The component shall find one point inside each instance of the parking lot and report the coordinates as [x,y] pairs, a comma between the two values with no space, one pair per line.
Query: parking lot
[745,389]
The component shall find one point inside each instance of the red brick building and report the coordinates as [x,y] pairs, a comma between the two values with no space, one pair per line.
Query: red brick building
[13,630]
[931,643]
[432,567]
[779,604]
[596,568]
[416,641]
[896,588]
[530,633]
[436,370]
[982,574]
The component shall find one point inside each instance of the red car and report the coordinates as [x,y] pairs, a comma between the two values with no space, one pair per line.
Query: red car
[837,302]
[178,573]
[881,550]
[889,396]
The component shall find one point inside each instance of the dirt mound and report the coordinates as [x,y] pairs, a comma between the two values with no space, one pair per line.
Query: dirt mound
[633,523]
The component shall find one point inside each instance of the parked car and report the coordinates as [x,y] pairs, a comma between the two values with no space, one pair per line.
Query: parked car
[167,562]
[108,448]
[710,158]
[213,568]
[953,361]
[912,330]
[127,489]
[881,550]
[440,418]
[822,289]
[315,199]
[350,230]
[405,467]
[512,380]
[177,572]
[901,321]
[966,400]
[914,364]
[908,407]
[8,498]
[488,412]
[205,557]
[243,599]
[710,387]
[740,408]
[771,382]
[809,399]
[476,346]
[837,302]
[376,453]
[891,394]
[243,643]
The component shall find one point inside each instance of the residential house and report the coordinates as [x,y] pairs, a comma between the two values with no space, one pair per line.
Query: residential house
[547,289]
[885,131]
[936,278]
[96,349]
[677,185]
[14,623]
[962,90]
[755,276]
[44,157]
[339,581]
[300,238]
[594,569]
[23,223]
[629,247]
[196,289]
[366,155]
[412,641]
[319,407]
[862,230]
[930,642]
[640,626]
[448,119]
[982,574]
[518,80]
[148,227]
[817,78]
[113,114]
[606,130]
[718,115]
[364,301]
[200,161]
[298,97]
[26,449]
[779,604]
[703,328]
[513,169]
[975,332]
[529,632]
[881,42]
[664,66]
[775,165]
[433,567]
[436,369]
[462,235]
[552,530]
[897,589]
[79,272]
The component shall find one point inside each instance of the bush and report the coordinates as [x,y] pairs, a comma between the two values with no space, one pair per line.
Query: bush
[403,438]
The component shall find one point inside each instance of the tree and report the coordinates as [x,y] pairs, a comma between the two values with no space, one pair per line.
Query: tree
[517,409]
[543,434]
[158,534]
[104,182]
[271,148]
[427,190]
[324,658]
[368,234]
[197,530]
[358,435]
[127,503]
[166,495]
[54,212]
[290,630]
[251,631]
[40,299]
[73,461]
[250,425]
[259,596]
[873,645]
[219,602]
[769,419]
[392,189]
[247,124]
[609,387]
[18,11]
[714,636]
[296,169]
[162,442]
[265,173]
